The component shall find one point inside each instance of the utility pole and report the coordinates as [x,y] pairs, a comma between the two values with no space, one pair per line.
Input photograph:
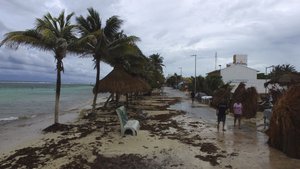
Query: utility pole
[266,76]
[195,73]
[216,58]
[180,71]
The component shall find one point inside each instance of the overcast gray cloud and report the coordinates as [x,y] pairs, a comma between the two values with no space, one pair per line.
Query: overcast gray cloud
[266,30]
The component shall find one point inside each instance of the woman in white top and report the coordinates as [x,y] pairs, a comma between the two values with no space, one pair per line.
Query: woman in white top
[238,111]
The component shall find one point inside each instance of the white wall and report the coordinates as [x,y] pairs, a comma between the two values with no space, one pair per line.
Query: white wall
[240,73]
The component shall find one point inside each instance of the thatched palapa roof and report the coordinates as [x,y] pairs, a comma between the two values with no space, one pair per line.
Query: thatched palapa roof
[284,133]
[119,81]
[145,86]
[248,97]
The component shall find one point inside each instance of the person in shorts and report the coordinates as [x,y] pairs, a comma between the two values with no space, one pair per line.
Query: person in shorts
[221,109]
[238,111]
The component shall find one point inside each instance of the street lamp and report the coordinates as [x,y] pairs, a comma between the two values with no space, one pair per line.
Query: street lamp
[180,73]
[266,75]
[195,73]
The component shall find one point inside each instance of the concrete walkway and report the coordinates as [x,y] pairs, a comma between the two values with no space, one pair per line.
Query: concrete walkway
[248,146]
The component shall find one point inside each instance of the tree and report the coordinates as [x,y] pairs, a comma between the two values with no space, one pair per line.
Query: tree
[282,69]
[262,76]
[157,62]
[212,83]
[172,80]
[101,42]
[51,34]
[125,53]
[154,70]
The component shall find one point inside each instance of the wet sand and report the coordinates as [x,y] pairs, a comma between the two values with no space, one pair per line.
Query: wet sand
[28,130]
[24,131]
[182,136]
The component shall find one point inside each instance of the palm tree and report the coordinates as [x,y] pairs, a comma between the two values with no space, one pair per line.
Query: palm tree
[157,62]
[155,70]
[51,34]
[280,70]
[101,42]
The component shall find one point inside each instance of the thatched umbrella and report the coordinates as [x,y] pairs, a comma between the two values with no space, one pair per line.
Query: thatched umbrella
[220,94]
[250,103]
[284,133]
[248,97]
[121,82]
[289,79]
[238,95]
[145,87]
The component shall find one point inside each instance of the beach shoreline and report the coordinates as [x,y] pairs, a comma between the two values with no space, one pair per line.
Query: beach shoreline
[168,138]
[19,132]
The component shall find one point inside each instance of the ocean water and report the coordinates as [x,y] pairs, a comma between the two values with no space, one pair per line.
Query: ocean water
[28,100]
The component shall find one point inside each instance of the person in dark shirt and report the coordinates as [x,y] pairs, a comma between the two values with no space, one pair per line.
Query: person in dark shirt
[193,96]
[221,109]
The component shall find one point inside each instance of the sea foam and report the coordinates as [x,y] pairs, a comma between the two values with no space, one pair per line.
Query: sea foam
[9,118]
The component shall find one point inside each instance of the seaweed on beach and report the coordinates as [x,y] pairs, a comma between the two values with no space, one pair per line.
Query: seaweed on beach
[209,148]
[33,157]
[193,141]
[164,123]
[212,159]
[128,161]
[56,127]
[165,117]
[27,157]
[66,145]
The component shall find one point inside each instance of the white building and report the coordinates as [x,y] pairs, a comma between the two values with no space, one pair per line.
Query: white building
[238,72]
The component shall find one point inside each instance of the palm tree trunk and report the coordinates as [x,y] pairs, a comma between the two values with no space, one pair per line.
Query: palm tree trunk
[111,95]
[127,100]
[96,84]
[57,93]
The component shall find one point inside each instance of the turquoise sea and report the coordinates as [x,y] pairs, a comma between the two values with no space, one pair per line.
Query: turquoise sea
[22,100]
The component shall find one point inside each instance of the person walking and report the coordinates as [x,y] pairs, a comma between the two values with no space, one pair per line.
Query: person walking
[238,111]
[192,96]
[221,109]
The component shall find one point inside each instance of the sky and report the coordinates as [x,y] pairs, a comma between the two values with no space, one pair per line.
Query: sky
[267,31]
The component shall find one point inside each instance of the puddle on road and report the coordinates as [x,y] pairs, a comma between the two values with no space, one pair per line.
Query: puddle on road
[249,147]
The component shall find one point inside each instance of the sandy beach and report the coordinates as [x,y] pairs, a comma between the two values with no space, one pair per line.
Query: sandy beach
[174,133]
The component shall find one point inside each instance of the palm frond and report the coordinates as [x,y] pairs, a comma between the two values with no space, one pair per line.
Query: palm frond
[61,20]
[113,24]
[125,40]
[29,37]
[83,26]
[95,16]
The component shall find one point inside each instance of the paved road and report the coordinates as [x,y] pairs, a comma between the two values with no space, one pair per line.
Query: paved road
[250,145]
[196,109]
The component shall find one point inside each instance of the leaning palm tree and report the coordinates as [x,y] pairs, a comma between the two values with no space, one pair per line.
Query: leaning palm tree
[155,70]
[51,34]
[157,62]
[101,41]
